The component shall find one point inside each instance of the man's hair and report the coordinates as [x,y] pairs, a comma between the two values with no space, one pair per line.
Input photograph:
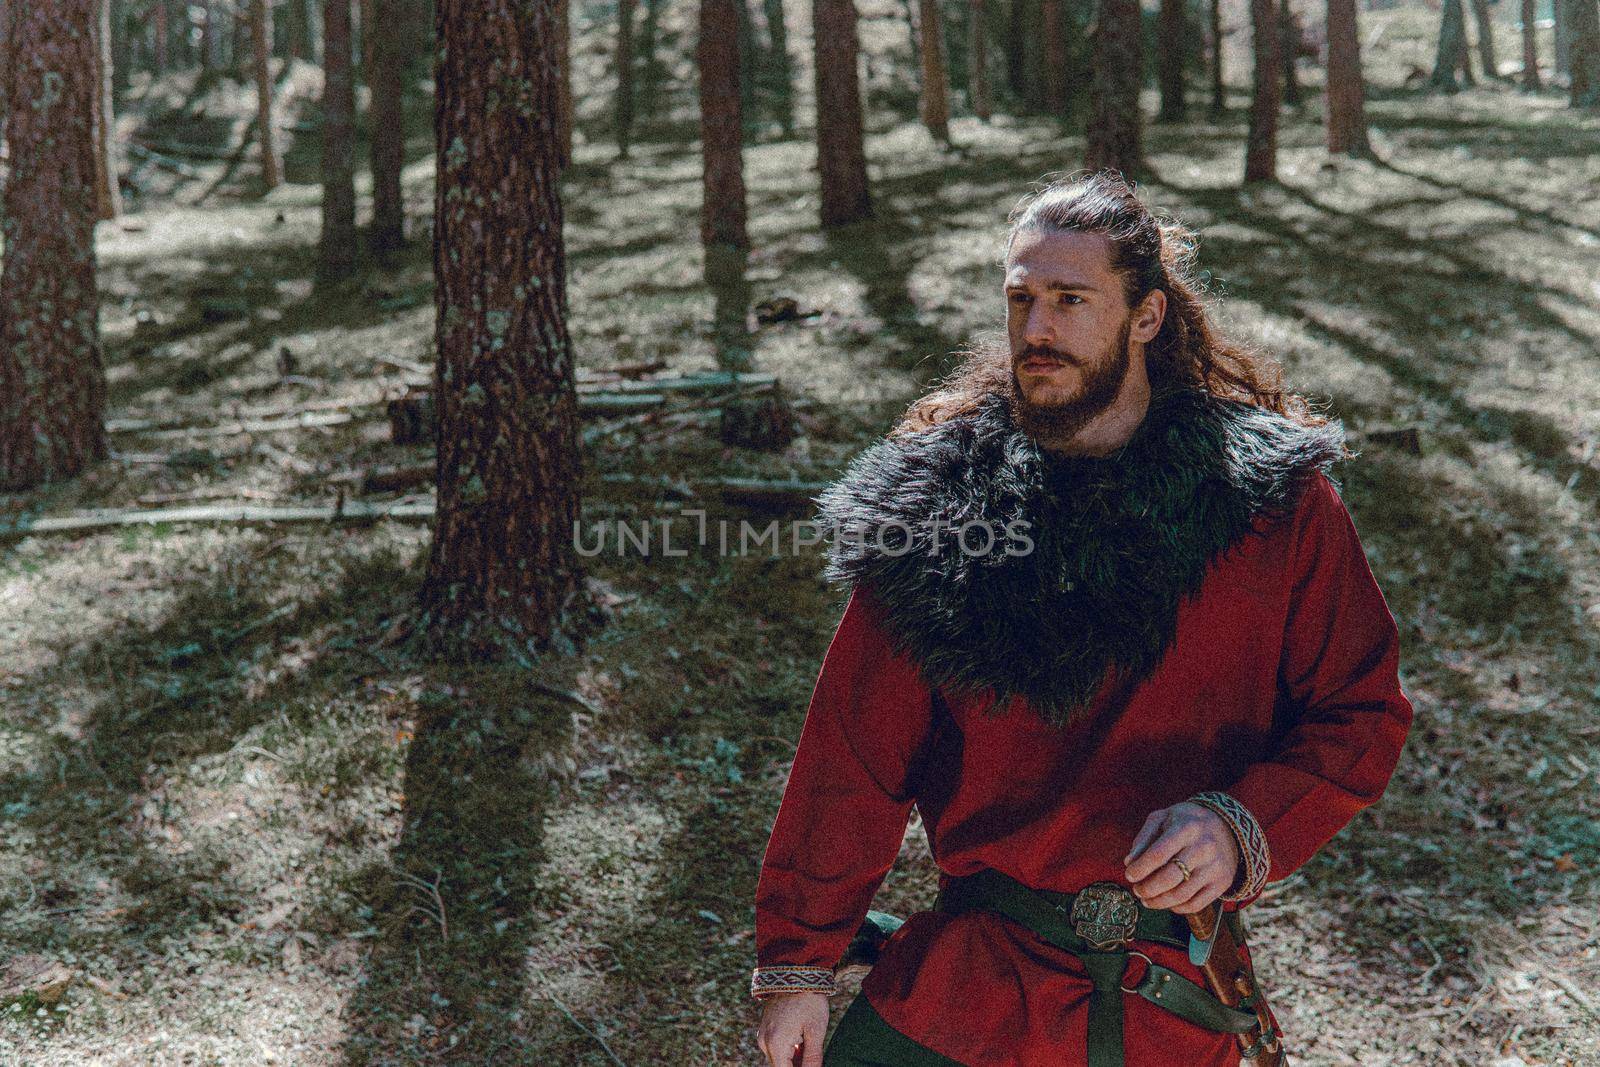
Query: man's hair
[1149,253]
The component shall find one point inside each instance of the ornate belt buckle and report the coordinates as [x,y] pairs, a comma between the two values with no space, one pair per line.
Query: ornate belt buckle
[1105,914]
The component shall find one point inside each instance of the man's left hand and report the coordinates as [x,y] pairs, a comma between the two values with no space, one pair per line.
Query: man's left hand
[1184,835]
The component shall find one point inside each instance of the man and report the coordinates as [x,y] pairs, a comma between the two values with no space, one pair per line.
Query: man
[1113,633]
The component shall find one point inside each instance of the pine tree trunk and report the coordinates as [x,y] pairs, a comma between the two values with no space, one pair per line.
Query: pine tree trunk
[1486,52]
[364,10]
[841,149]
[1452,37]
[935,100]
[107,194]
[1585,58]
[782,66]
[1464,52]
[1114,137]
[749,62]
[1561,10]
[1347,121]
[624,62]
[1219,96]
[1170,48]
[1288,46]
[1053,45]
[650,81]
[52,381]
[337,253]
[563,30]
[158,14]
[261,37]
[502,575]
[208,42]
[1530,47]
[722,217]
[978,91]
[387,113]
[1017,49]
[1261,141]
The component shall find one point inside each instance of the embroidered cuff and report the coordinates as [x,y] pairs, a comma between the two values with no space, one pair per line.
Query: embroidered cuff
[1254,857]
[767,981]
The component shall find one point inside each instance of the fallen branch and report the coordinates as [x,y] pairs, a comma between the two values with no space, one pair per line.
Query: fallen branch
[352,512]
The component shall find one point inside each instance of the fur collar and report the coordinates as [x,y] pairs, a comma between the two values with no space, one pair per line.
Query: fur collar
[1111,544]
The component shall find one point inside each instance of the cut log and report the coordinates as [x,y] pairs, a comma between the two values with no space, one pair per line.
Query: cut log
[351,512]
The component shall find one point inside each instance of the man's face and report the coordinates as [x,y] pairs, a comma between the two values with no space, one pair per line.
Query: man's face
[1069,326]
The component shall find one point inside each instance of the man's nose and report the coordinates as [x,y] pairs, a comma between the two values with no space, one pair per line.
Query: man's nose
[1039,328]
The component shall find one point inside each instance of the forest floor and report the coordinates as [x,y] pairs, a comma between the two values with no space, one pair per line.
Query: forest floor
[257,827]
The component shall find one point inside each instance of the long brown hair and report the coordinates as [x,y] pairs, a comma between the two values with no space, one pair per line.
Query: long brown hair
[1149,253]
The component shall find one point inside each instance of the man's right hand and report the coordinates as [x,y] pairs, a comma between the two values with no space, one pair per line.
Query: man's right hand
[791,1022]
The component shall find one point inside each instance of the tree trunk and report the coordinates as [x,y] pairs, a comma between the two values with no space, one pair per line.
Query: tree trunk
[624,103]
[1170,40]
[935,100]
[1261,141]
[749,62]
[502,575]
[781,65]
[1530,47]
[1464,53]
[1452,43]
[364,10]
[978,92]
[337,253]
[841,148]
[563,59]
[208,38]
[52,381]
[1054,47]
[1114,138]
[1585,59]
[387,113]
[1288,46]
[302,30]
[722,216]
[261,36]
[1347,120]
[650,82]
[1486,54]
[159,18]
[1017,49]
[1561,10]
[1219,96]
[107,194]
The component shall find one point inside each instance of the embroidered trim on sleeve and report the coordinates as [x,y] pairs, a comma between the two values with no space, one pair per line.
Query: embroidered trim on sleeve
[766,981]
[1253,851]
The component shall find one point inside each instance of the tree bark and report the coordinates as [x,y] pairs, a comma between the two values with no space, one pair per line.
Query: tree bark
[1219,97]
[722,216]
[1585,58]
[563,61]
[261,39]
[841,148]
[624,62]
[1055,57]
[1530,47]
[388,122]
[1346,112]
[107,194]
[52,381]
[1114,138]
[1561,11]
[978,90]
[337,252]
[159,31]
[502,573]
[935,99]
[1017,49]
[208,38]
[1261,141]
[1486,52]
[1170,40]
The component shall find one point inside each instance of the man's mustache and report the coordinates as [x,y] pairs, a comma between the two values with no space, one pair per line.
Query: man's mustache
[1039,352]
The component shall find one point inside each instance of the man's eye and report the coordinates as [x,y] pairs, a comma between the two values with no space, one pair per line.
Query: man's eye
[1070,298]
[1020,298]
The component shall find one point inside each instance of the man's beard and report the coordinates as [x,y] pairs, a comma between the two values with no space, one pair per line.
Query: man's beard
[1058,423]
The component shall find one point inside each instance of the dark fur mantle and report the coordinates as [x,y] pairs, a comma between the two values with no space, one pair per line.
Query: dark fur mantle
[1117,541]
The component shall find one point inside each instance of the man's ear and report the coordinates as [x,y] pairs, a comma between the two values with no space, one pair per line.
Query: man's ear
[1149,315]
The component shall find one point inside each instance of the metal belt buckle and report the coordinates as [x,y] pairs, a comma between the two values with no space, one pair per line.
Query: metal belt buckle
[1105,914]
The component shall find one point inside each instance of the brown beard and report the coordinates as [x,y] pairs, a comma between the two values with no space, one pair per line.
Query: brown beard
[1059,423]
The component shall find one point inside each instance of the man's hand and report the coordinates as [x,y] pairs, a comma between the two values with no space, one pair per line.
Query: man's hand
[1183,835]
[792,1021]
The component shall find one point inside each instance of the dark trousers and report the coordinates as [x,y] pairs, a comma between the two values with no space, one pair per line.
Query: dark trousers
[863,1039]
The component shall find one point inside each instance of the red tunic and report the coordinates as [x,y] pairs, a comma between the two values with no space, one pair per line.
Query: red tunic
[1281,689]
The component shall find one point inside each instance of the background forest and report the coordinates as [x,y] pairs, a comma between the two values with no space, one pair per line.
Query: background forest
[320,323]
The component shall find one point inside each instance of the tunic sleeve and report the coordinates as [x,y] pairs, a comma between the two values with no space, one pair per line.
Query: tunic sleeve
[844,809]
[1338,683]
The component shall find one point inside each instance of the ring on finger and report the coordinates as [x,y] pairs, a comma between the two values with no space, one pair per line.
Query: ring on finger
[1183,868]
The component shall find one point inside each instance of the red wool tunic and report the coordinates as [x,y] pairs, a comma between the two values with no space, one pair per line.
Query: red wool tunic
[1281,688]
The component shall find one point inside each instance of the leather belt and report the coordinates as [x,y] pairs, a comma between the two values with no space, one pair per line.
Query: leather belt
[1097,925]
